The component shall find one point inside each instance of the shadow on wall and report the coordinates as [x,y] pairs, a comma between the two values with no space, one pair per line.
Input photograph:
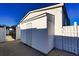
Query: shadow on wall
[40,40]
[70,44]
[37,38]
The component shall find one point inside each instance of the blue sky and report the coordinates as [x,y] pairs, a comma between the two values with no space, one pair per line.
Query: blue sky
[73,12]
[11,14]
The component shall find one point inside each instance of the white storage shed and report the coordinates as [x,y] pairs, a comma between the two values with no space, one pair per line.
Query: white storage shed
[38,28]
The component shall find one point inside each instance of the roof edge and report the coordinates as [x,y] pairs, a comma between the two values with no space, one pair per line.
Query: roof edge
[44,8]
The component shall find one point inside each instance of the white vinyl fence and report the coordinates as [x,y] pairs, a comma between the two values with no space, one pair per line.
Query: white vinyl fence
[2,34]
[71,31]
[69,40]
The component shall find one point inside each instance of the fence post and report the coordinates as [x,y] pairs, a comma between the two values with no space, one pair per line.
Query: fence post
[76,35]
[75,29]
[4,33]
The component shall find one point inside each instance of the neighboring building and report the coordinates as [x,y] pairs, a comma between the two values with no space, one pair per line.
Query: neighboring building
[12,31]
[2,33]
[39,27]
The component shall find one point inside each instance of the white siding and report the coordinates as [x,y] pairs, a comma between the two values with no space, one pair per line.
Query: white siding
[39,35]
[42,31]
[57,12]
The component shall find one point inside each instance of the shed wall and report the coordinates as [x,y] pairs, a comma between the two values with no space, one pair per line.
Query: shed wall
[39,26]
[36,34]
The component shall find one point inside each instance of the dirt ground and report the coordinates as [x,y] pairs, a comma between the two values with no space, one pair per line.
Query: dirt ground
[16,48]
[57,52]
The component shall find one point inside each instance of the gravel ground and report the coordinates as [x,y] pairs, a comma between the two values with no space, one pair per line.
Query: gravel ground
[15,48]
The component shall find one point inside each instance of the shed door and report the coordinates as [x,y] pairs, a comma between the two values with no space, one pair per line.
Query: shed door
[29,34]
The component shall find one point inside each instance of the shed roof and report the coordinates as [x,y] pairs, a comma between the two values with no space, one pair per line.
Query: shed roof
[41,9]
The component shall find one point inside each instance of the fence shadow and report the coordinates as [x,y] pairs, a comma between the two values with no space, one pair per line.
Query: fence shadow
[70,44]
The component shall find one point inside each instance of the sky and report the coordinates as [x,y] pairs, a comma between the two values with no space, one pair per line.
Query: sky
[12,13]
[73,12]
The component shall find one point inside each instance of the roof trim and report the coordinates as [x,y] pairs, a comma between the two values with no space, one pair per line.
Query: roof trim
[37,17]
[49,7]
[41,9]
